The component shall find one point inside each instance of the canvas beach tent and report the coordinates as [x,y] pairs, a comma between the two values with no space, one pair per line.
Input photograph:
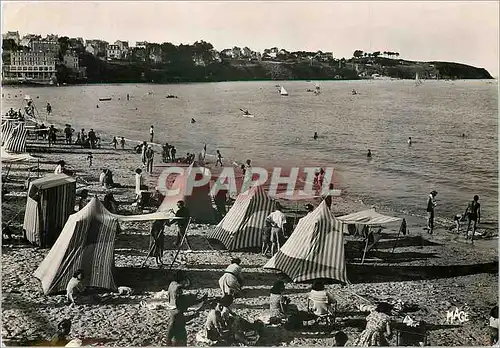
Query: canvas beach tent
[86,242]
[51,200]
[242,226]
[199,201]
[315,250]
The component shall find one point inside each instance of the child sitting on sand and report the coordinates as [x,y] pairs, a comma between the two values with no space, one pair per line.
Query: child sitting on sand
[74,285]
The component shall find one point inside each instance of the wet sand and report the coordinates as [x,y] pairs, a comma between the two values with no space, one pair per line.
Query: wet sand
[433,274]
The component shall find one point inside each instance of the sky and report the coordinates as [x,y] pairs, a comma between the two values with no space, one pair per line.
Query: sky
[464,32]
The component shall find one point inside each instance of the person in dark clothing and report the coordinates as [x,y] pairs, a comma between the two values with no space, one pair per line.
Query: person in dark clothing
[157,240]
[63,330]
[52,135]
[182,223]
[369,154]
[92,138]
[220,202]
[110,203]
[473,213]
[315,135]
[431,204]
[173,151]
[328,197]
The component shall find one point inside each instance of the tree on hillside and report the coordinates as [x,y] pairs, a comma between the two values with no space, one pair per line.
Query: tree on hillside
[376,54]
[357,54]
[9,45]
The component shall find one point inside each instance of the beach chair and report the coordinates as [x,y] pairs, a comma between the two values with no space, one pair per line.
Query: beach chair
[371,241]
[327,318]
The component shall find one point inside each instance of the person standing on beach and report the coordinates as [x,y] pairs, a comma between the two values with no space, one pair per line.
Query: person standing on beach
[89,158]
[114,142]
[431,204]
[277,220]
[473,213]
[122,143]
[83,137]
[173,151]
[150,154]
[315,136]
[182,223]
[151,133]
[144,147]
[49,109]
[219,159]
[92,138]
[52,135]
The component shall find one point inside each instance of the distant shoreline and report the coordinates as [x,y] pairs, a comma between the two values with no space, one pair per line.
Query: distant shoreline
[10,84]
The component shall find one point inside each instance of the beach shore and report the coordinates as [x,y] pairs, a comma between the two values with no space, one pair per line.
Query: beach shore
[435,273]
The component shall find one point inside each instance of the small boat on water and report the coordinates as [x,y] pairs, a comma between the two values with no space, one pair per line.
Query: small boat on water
[105,99]
[170,96]
[283,91]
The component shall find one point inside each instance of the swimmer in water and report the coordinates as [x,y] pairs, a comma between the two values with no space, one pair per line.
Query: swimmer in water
[315,136]
[409,141]
[193,120]
[369,154]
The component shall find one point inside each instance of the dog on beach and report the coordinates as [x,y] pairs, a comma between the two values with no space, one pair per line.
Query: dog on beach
[125,290]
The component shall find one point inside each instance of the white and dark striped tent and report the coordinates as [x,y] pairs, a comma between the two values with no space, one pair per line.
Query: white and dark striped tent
[315,250]
[198,201]
[242,226]
[51,200]
[7,127]
[16,140]
[86,242]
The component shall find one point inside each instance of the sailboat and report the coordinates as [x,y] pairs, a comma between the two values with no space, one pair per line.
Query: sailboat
[417,80]
[283,91]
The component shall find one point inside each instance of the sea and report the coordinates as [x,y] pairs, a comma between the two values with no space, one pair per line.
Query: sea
[453,126]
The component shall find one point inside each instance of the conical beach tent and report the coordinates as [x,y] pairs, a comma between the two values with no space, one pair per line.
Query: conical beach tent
[242,226]
[199,201]
[315,250]
[86,242]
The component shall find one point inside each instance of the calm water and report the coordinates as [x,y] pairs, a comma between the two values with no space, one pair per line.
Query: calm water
[381,117]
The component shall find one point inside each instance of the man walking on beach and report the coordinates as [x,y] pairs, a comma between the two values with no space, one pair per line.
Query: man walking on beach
[431,204]
[92,138]
[122,143]
[473,213]
[151,134]
[149,159]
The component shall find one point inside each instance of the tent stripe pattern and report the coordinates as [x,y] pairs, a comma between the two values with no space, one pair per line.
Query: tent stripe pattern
[16,142]
[314,250]
[367,217]
[7,128]
[51,200]
[86,242]
[242,226]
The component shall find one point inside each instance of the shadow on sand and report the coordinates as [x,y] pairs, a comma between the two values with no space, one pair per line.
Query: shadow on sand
[379,274]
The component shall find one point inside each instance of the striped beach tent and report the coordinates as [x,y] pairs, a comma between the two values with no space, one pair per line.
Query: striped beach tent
[315,250]
[7,127]
[242,226]
[16,141]
[51,200]
[86,242]
[198,201]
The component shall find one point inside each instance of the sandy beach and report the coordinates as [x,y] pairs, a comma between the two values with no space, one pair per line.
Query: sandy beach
[429,274]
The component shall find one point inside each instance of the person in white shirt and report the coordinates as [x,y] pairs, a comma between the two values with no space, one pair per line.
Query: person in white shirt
[102,177]
[74,285]
[60,167]
[277,220]
[409,140]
